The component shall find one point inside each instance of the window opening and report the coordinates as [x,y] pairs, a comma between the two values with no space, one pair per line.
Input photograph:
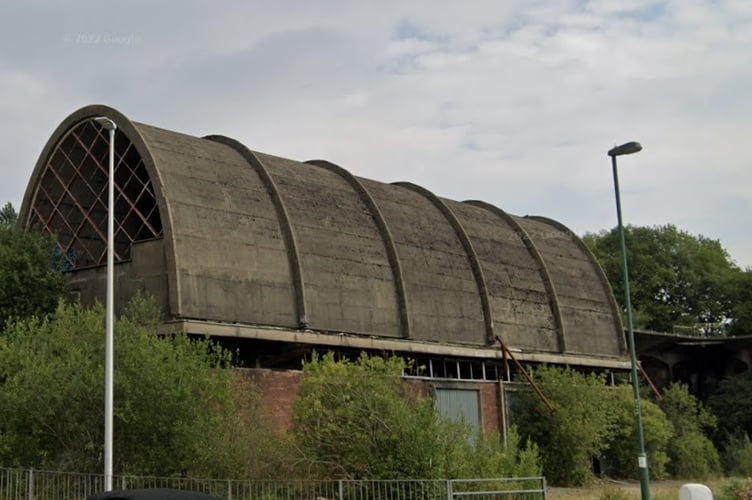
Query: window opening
[71,198]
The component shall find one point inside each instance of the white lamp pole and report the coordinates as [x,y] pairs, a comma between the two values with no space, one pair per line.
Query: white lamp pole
[109,347]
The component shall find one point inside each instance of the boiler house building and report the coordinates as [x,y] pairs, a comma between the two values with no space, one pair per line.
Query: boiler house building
[276,258]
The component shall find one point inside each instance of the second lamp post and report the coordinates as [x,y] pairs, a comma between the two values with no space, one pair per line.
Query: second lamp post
[642,460]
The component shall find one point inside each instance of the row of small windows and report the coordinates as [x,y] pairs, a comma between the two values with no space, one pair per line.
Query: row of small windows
[454,369]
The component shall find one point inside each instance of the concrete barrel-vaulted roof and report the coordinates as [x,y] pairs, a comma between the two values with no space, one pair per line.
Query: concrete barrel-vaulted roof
[225,235]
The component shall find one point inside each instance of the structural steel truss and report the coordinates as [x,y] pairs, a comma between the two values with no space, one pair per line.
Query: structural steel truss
[71,200]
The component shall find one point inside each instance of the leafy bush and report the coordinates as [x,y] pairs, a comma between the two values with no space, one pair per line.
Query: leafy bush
[29,282]
[692,453]
[353,420]
[732,404]
[577,430]
[358,420]
[686,412]
[737,455]
[693,456]
[675,439]
[485,456]
[738,489]
[622,447]
[174,412]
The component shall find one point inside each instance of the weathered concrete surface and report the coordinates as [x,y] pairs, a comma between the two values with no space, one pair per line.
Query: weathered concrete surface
[254,239]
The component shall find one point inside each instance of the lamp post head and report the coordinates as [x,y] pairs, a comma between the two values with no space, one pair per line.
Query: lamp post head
[625,149]
[106,123]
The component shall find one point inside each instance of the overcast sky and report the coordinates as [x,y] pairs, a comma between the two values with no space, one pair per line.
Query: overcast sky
[511,102]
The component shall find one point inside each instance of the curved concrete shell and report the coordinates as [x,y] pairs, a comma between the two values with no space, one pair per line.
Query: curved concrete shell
[250,242]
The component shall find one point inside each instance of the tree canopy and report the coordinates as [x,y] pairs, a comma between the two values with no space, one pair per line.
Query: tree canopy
[679,282]
[8,215]
[732,403]
[589,420]
[30,280]
[174,412]
[692,454]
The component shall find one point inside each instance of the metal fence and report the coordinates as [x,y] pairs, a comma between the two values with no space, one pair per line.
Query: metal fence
[25,484]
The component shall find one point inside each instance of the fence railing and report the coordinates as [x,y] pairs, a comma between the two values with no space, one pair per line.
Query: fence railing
[27,484]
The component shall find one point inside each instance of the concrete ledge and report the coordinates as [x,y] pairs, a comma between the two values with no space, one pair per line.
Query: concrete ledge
[216,329]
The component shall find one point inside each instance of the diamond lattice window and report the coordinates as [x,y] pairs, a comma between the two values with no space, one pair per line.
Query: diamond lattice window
[71,198]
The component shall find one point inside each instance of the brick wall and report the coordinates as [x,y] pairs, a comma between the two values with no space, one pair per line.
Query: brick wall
[278,390]
[490,404]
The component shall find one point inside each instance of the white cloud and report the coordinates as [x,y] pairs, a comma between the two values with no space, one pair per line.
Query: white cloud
[515,103]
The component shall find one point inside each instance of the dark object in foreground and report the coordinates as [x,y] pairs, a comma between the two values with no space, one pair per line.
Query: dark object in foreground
[151,494]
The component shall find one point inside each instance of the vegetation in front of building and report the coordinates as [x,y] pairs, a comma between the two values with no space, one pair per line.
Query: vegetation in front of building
[577,429]
[177,412]
[619,458]
[174,412]
[691,452]
[737,489]
[30,277]
[358,420]
[594,422]
[737,454]
[731,402]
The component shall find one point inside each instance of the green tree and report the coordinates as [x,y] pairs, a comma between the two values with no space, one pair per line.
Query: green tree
[576,432]
[359,420]
[29,281]
[731,402]
[741,307]
[737,455]
[677,280]
[623,446]
[692,453]
[353,420]
[174,411]
[8,216]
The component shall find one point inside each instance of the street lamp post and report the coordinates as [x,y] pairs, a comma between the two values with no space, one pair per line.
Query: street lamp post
[642,460]
[109,348]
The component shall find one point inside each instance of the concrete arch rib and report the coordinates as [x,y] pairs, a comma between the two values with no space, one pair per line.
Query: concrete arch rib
[131,130]
[288,233]
[598,270]
[386,235]
[542,268]
[467,245]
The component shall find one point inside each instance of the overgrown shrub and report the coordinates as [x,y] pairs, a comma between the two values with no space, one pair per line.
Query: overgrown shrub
[693,456]
[174,412]
[577,430]
[358,420]
[737,455]
[622,447]
[732,404]
[692,453]
[737,489]
[31,282]
[485,456]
